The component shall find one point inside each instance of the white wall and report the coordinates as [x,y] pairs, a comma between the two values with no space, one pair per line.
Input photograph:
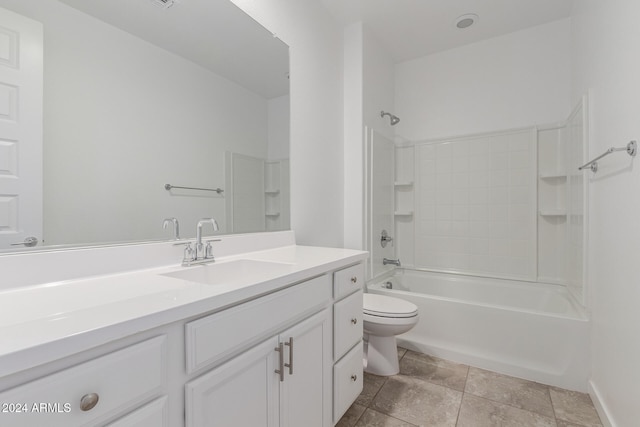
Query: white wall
[606,40]
[124,117]
[379,89]
[505,82]
[354,134]
[368,89]
[317,178]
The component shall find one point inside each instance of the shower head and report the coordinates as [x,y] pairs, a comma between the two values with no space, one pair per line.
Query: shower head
[394,119]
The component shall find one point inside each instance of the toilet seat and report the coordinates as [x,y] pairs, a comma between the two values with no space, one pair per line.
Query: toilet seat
[389,307]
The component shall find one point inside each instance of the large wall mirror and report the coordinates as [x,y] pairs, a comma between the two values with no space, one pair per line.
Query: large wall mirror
[105,103]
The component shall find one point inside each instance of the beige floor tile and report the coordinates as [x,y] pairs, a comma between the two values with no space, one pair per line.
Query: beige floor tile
[351,417]
[434,370]
[511,391]
[370,387]
[479,412]
[574,407]
[418,402]
[373,418]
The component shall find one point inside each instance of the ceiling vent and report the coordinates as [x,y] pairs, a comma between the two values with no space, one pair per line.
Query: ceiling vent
[164,4]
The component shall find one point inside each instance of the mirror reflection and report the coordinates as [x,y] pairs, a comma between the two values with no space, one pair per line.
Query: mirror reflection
[104,104]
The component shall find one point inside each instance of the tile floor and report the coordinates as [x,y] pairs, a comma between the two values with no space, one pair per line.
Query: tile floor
[434,392]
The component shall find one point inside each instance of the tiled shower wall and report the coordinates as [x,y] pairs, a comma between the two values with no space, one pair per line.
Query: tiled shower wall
[475,205]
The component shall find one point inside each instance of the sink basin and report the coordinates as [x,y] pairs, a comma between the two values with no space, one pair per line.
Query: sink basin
[238,272]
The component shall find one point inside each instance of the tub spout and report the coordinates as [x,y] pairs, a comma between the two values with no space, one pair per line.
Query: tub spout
[395,262]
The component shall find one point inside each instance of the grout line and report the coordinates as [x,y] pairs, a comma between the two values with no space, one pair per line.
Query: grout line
[553,407]
[466,378]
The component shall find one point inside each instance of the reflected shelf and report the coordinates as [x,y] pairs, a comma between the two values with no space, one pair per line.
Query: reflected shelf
[553,175]
[553,212]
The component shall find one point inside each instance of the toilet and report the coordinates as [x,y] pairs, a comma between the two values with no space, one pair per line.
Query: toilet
[385,317]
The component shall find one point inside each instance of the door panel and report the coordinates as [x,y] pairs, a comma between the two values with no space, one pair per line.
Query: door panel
[21,76]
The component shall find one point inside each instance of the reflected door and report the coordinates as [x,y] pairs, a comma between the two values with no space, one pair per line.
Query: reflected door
[21,53]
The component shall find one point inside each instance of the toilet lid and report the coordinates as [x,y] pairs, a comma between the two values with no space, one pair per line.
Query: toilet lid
[384,306]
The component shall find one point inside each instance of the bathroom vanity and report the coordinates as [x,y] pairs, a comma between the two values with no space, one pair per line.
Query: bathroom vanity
[270,337]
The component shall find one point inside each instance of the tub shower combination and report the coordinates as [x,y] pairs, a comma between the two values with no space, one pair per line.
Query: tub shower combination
[532,331]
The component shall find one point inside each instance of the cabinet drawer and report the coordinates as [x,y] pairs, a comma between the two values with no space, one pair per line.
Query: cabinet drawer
[348,280]
[155,414]
[347,381]
[347,324]
[121,380]
[215,337]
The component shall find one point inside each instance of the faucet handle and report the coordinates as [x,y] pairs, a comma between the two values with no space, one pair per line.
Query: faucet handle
[188,254]
[208,251]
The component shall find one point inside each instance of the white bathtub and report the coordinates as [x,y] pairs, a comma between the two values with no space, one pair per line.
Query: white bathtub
[528,330]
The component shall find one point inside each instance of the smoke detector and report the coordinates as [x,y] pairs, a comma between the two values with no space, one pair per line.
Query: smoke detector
[465,21]
[163,4]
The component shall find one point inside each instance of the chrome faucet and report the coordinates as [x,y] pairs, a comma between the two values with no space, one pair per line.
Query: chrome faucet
[176,227]
[201,254]
[395,262]
[199,245]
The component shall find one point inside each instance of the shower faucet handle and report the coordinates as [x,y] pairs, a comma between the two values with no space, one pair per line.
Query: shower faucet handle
[385,238]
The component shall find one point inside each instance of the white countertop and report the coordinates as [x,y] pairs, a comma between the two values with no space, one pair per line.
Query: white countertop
[46,322]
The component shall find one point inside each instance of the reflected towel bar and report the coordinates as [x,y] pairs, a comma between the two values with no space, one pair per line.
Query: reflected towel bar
[169,187]
[631,150]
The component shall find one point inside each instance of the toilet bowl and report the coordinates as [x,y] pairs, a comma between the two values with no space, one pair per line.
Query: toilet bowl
[385,317]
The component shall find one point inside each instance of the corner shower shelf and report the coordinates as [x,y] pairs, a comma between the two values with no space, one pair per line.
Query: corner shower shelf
[272,214]
[403,213]
[272,192]
[403,183]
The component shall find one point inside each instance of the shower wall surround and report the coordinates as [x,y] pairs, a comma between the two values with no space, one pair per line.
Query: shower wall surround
[475,204]
[507,204]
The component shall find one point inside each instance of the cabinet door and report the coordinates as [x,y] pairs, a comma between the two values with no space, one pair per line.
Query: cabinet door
[241,392]
[305,392]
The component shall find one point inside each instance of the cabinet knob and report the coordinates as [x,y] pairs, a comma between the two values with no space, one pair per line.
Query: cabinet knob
[354,279]
[354,377]
[89,401]
[354,321]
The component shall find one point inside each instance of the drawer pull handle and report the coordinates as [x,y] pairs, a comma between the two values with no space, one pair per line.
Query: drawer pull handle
[354,279]
[354,321]
[354,377]
[290,364]
[280,371]
[89,401]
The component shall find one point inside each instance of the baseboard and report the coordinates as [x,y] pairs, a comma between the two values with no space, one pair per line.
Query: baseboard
[601,407]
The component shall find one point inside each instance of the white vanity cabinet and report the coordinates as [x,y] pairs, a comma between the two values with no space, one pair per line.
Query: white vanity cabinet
[285,380]
[247,391]
[285,351]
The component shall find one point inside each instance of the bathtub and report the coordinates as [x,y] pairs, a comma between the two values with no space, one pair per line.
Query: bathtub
[527,330]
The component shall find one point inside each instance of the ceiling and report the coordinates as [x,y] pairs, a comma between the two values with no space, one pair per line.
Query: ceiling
[215,34]
[411,29]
